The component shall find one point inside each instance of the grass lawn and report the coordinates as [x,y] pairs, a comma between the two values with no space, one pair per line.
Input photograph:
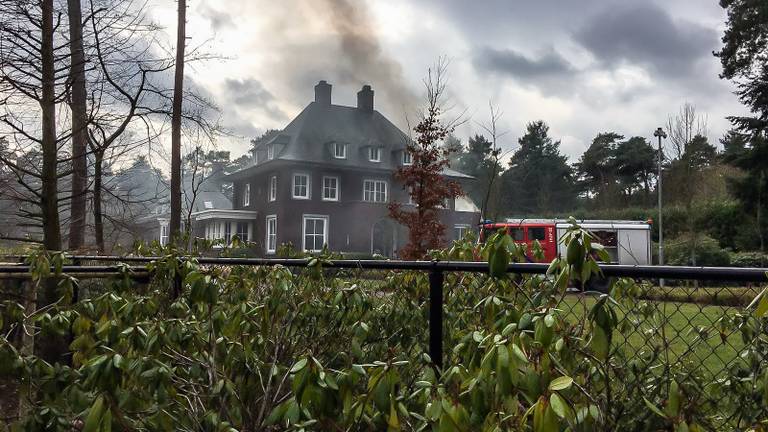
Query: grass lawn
[712,352]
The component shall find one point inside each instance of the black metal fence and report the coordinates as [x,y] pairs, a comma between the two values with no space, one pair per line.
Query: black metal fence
[683,309]
[688,314]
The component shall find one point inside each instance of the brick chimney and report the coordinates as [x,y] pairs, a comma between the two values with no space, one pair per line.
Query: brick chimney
[365,99]
[323,93]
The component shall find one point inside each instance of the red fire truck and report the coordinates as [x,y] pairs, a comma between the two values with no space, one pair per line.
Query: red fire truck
[627,242]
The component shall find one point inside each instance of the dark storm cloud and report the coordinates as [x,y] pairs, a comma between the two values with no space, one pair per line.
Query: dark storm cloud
[647,35]
[250,94]
[513,63]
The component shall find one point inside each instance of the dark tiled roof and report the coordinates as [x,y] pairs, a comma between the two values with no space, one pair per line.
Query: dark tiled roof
[310,137]
[217,201]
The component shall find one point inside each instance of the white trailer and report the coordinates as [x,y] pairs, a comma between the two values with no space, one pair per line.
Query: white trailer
[627,242]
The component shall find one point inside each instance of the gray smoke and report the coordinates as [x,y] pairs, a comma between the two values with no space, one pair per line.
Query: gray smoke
[363,60]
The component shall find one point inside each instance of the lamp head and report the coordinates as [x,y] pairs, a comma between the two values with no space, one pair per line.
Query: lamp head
[660,133]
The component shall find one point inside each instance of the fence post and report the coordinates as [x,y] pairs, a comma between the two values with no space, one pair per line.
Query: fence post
[436,278]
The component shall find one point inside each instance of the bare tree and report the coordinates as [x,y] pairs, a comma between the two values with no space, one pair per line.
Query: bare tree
[178,95]
[682,127]
[77,105]
[49,177]
[123,77]
[32,77]
[33,74]
[492,129]
[687,134]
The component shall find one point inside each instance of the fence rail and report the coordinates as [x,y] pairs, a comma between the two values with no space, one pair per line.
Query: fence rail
[732,274]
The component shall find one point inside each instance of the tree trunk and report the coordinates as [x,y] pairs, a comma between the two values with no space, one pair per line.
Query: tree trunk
[760,231]
[49,347]
[178,96]
[49,179]
[79,123]
[98,223]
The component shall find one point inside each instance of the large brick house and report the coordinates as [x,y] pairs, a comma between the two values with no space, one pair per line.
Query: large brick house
[327,178]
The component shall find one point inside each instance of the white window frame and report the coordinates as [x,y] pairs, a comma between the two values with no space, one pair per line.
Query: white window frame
[304,219]
[374,154]
[271,234]
[164,227]
[270,151]
[273,188]
[293,186]
[464,228]
[410,196]
[247,231]
[214,231]
[336,153]
[335,189]
[407,158]
[374,192]
[228,231]
[247,195]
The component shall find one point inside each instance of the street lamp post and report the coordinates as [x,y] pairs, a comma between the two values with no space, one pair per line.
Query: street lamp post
[659,133]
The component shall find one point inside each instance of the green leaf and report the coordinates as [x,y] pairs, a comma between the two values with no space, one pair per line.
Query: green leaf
[277,413]
[106,421]
[558,405]
[673,400]
[299,365]
[509,329]
[654,408]
[519,353]
[599,343]
[95,415]
[549,320]
[560,383]
[762,307]
[499,260]
[393,422]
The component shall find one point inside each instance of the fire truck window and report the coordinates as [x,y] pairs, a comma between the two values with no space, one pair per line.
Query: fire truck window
[606,238]
[610,241]
[538,233]
[517,234]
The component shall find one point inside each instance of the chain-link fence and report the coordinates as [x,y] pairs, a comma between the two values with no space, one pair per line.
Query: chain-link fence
[686,330]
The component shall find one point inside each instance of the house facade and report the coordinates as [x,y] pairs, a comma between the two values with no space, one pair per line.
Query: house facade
[327,179]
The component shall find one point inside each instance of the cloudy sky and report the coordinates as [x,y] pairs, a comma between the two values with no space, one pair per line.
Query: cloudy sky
[583,66]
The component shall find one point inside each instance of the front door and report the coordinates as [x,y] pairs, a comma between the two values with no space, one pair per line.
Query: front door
[383,238]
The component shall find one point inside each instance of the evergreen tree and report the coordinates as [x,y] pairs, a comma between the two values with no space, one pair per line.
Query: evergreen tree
[752,189]
[455,150]
[539,180]
[743,57]
[636,165]
[478,162]
[596,169]
[734,145]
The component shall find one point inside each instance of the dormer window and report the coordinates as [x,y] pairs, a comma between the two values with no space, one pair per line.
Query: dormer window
[374,154]
[339,151]
[407,159]
[208,205]
[270,152]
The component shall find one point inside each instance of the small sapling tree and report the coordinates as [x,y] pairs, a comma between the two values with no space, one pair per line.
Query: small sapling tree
[429,189]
